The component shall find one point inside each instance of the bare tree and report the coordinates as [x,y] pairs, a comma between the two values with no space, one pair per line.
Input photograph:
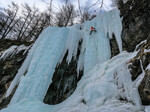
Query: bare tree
[25,27]
[3,19]
[66,15]
[85,16]
[85,13]
[26,12]
[32,24]
[10,21]
[30,20]
[43,23]
[50,11]
[37,26]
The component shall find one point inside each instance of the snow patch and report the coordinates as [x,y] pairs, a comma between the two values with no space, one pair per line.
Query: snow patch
[13,50]
[144,41]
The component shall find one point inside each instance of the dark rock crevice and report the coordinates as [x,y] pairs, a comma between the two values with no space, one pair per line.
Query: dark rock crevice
[64,81]
[114,46]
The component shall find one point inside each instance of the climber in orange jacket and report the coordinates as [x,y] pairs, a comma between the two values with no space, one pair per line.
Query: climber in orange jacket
[92,29]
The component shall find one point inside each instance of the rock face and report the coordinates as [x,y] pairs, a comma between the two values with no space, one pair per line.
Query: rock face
[8,70]
[136,27]
[144,88]
[136,23]
[138,65]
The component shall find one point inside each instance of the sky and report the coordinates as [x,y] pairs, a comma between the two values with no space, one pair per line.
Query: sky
[42,6]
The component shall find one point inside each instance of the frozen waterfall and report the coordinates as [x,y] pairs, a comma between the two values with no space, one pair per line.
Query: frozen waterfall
[35,75]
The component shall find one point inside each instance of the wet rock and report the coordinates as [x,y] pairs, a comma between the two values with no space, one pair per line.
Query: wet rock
[144,88]
[135,69]
[5,101]
[139,63]
[142,59]
[8,69]
[136,25]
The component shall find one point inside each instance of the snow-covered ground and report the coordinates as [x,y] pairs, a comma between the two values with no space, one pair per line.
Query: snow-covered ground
[104,82]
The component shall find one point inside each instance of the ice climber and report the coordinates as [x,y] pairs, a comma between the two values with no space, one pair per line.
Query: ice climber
[92,29]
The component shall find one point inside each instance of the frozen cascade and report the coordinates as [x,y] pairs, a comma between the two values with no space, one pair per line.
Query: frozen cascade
[98,79]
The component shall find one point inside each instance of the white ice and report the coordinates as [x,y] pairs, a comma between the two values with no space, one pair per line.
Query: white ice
[103,83]
[144,41]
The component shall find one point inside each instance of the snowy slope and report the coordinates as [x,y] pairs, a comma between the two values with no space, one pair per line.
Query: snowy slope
[103,84]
